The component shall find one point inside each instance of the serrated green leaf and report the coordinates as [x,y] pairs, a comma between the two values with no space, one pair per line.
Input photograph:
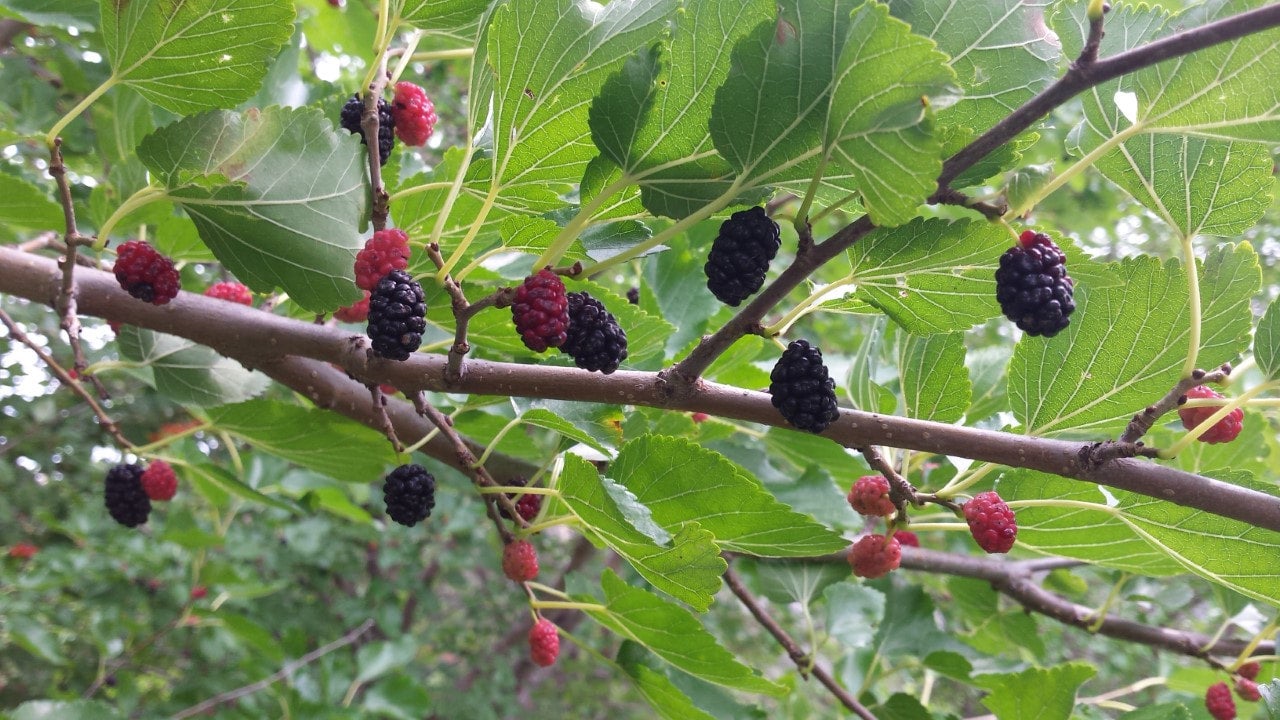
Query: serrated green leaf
[1229,279]
[25,205]
[1000,55]
[662,695]
[1266,342]
[880,125]
[682,482]
[651,119]
[188,57]
[1163,711]
[79,14]
[64,710]
[122,119]
[224,482]
[276,194]
[986,372]
[188,373]
[1175,128]
[548,60]
[543,418]
[1095,535]
[688,569]
[317,439]
[1035,693]
[791,581]
[1123,349]
[901,706]
[853,612]
[252,634]
[934,380]
[379,658]
[440,15]
[37,640]
[909,626]
[675,635]
[989,630]
[931,275]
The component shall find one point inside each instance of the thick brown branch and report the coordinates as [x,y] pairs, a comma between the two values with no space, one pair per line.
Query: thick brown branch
[256,337]
[794,651]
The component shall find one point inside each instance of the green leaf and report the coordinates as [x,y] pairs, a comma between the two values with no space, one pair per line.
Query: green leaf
[1065,383]
[935,382]
[791,581]
[543,418]
[23,204]
[187,57]
[208,476]
[901,706]
[1175,145]
[682,482]
[989,630]
[1094,535]
[188,373]
[79,14]
[930,275]
[999,53]
[379,658]
[1271,697]
[440,15]
[64,710]
[317,439]
[662,695]
[651,119]
[909,626]
[548,60]
[688,569]
[276,194]
[400,696]
[252,634]
[122,119]
[1266,342]
[1229,279]
[675,635]
[36,639]
[880,127]
[853,612]
[1035,693]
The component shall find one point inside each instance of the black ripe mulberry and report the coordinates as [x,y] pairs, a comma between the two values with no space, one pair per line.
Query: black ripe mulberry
[410,493]
[351,115]
[594,339]
[541,311]
[801,388]
[397,316]
[740,255]
[125,497]
[1032,285]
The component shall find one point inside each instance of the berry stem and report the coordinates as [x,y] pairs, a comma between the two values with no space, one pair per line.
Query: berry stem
[1194,434]
[424,187]
[1080,504]
[430,55]
[381,43]
[960,483]
[167,440]
[943,526]
[1247,654]
[1193,295]
[1075,169]
[144,196]
[805,306]
[802,214]
[406,56]
[570,232]
[567,605]
[481,215]
[80,107]
[678,228]
[534,585]
[1100,615]
[517,489]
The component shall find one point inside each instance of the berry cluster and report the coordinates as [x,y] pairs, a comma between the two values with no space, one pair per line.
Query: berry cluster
[740,255]
[125,498]
[409,492]
[146,274]
[873,556]
[159,481]
[397,316]
[387,250]
[528,505]
[544,642]
[356,312]
[1217,700]
[1225,430]
[593,339]
[801,389]
[352,114]
[1032,285]
[541,311]
[231,292]
[520,561]
[991,522]
[870,496]
[414,113]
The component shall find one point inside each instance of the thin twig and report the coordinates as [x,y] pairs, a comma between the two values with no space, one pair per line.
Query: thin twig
[1143,421]
[951,196]
[458,351]
[901,492]
[65,377]
[794,651]
[380,407]
[232,695]
[369,125]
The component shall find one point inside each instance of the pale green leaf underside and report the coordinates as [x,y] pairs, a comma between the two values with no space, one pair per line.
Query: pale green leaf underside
[25,205]
[543,418]
[317,439]
[193,56]
[688,568]
[1231,275]
[1266,342]
[548,60]
[682,482]
[275,193]
[999,51]
[188,373]
[934,380]
[1035,693]
[675,635]
[1124,349]
[662,695]
[440,15]
[931,276]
